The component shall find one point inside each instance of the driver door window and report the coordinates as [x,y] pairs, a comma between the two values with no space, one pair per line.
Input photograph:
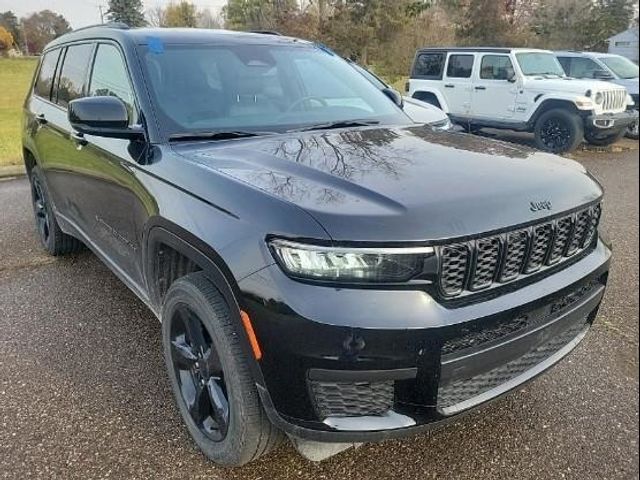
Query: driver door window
[110,78]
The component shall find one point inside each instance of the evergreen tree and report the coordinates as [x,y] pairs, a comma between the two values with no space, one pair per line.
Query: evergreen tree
[126,11]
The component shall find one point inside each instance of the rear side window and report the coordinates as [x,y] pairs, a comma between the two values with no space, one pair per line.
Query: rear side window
[110,78]
[73,75]
[496,67]
[460,66]
[429,65]
[44,82]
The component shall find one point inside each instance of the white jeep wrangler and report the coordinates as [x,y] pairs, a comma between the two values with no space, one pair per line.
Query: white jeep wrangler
[520,89]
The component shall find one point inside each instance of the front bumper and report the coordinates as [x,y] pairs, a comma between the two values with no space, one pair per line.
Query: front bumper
[354,365]
[607,123]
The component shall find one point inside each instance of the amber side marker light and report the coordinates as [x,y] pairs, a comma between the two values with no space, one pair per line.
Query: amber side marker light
[253,340]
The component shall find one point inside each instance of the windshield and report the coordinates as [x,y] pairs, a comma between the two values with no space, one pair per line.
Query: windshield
[539,63]
[621,66]
[370,76]
[260,88]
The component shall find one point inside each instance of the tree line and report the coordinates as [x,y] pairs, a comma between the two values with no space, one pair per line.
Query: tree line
[385,33]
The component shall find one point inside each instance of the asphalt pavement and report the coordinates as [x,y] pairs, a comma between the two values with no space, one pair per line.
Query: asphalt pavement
[84,394]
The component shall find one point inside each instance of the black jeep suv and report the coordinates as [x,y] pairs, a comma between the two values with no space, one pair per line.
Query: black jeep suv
[321,265]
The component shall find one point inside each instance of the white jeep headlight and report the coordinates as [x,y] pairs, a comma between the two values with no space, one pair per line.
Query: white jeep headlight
[599,98]
[349,264]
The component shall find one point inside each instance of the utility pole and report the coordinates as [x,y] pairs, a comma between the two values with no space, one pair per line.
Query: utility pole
[101,14]
[24,39]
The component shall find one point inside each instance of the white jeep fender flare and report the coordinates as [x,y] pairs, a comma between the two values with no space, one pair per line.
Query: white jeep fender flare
[541,102]
[431,91]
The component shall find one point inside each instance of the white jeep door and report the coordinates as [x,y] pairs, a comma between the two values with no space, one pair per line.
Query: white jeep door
[457,83]
[494,88]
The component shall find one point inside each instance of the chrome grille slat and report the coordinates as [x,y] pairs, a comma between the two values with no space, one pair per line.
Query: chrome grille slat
[498,259]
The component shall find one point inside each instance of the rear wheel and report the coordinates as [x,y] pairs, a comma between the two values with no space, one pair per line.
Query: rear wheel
[558,131]
[603,141]
[52,238]
[210,375]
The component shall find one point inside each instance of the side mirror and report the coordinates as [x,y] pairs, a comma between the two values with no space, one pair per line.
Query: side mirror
[511,75]
[102,116]
[394,96]
[602,75]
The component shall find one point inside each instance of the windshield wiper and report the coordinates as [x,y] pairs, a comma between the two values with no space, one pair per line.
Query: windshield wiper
[215,135]
[339,124]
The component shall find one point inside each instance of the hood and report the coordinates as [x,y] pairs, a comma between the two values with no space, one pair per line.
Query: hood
[631,84]
[403,183]
[423,112]
[570,85]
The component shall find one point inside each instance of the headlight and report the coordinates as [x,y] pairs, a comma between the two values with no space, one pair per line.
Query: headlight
[599,98]
[349,265]
[630,102]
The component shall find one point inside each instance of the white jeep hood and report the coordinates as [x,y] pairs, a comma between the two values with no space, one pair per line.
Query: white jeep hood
[570,85]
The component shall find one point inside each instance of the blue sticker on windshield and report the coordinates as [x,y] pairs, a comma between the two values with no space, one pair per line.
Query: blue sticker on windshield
[155,45]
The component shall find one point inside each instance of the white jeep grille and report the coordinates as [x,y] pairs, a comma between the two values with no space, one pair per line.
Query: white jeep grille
[614,100]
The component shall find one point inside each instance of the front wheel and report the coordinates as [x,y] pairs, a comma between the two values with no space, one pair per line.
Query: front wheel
[210,376]
[604,141]
[558,131]
[632,130]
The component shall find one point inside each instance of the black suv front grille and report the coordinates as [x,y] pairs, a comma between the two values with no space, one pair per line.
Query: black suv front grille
[352,399]
[491,261]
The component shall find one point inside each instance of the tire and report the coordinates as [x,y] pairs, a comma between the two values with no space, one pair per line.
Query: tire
[604,141]
[558,131]
[632,131]
[232,434]
[52,238]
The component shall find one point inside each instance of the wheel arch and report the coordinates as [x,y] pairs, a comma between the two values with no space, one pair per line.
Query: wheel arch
[550,104]
[162,233]
[197,256]
[29,159]
[431,97]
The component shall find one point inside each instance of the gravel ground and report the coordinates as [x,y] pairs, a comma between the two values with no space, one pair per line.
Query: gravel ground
[83,392]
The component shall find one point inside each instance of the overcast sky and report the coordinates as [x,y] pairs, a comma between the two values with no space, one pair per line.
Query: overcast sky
[80,13]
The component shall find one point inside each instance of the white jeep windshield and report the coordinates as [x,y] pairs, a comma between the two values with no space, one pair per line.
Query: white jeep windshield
[539,63]
[260,88]
[621,66]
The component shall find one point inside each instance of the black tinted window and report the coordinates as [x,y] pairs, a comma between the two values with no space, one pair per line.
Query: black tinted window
[74,73]
[460,66]
[429,65]
[496,67]
[47,71]
[109,77]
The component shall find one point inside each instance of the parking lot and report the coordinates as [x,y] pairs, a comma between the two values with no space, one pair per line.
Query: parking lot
[83,390]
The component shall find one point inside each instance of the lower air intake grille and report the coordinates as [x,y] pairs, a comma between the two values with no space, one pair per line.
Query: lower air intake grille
[352,399]
[463,390]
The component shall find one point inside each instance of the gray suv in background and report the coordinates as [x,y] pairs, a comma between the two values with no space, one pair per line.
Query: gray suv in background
[604,66]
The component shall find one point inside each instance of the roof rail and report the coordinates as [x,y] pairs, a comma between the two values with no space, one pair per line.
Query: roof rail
[117,25]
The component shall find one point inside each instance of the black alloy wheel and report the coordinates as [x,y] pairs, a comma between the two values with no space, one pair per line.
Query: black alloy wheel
[199,374]
[559,130]
[555,134]
[210,373]
[40,210]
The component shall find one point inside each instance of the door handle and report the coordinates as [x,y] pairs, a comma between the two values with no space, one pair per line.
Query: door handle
[41,119]
[79,139]
[449,85]
[480,87]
